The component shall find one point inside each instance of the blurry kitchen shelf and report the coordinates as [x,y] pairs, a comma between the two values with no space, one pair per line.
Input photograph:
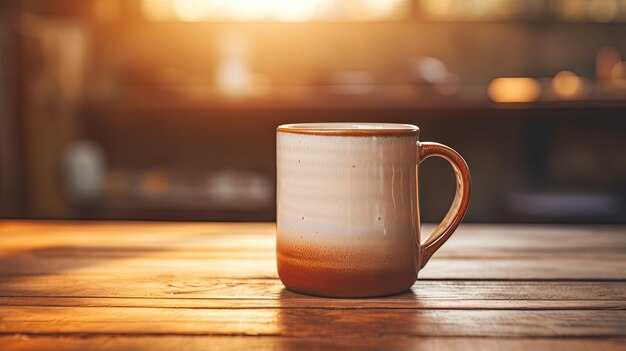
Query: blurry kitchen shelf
[184,205]
[183,208]
[153,192]
[568,207]
[401,97]
[125,211]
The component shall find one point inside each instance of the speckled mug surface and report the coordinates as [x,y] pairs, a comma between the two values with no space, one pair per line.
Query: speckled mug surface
[348,209]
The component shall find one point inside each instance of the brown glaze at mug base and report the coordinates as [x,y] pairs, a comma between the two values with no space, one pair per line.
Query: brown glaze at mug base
[338,272]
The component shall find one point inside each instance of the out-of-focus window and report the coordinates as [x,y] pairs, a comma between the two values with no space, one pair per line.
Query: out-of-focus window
[275,10]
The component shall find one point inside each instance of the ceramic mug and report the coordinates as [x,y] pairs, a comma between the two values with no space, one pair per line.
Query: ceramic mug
[347,207]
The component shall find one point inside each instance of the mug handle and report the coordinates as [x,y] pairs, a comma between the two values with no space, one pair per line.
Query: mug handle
[461,199]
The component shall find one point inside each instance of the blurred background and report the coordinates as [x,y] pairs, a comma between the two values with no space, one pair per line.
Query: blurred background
[167,109]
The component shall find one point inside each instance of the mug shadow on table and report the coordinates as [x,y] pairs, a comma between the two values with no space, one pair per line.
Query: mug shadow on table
[309,322]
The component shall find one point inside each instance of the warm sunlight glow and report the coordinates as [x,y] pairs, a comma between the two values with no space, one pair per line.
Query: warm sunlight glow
[270,10]
[514,90]
[439,8]
[156,10]
[190,10]
[294,10]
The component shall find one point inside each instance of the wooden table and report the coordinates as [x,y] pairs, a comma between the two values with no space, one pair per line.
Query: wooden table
[189,286]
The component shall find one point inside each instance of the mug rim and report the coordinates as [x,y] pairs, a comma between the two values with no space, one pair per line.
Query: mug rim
[350,129]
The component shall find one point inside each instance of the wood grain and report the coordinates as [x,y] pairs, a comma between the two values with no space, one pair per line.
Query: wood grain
[202,343]
[225,240]
[306,303]
[251,343]
[153,286]
[181,291]
[599,268]
[306,322]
